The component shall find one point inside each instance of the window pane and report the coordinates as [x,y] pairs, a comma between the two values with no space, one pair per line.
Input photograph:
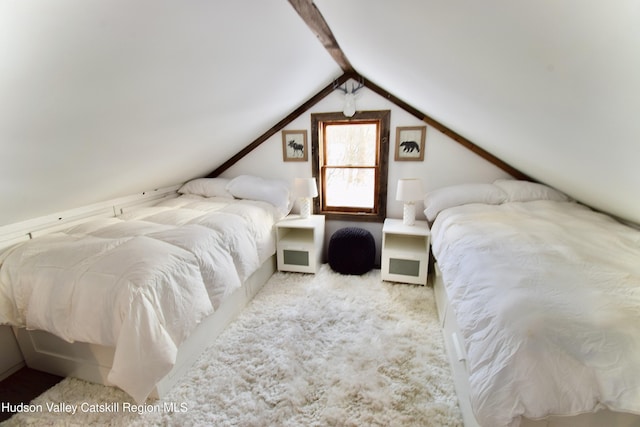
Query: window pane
[350,187]
[351,144]
[351,164]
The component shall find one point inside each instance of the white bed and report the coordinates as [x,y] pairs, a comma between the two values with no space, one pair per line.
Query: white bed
[539,298]
[132,300]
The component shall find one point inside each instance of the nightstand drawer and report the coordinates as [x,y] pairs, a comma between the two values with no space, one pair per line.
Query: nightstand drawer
[405,270]
[406,267]
[296,261]
[292,257]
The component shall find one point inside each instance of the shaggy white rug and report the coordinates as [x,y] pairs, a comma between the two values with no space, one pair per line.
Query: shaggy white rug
[309,350]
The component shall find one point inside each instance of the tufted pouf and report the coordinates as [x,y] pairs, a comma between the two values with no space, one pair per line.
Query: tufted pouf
[352,250]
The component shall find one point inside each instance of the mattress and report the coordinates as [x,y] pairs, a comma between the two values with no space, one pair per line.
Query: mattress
[547,298]
[140,282]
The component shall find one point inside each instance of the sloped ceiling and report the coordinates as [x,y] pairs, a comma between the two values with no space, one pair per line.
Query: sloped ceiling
[105,98]
[551,87]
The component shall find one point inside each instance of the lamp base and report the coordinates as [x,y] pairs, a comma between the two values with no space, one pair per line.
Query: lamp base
[409,214]
[305,207]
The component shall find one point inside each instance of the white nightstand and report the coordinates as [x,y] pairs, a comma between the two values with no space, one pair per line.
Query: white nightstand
[405,251]
[299,243]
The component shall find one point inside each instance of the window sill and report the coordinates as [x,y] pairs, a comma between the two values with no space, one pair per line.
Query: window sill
[348,216]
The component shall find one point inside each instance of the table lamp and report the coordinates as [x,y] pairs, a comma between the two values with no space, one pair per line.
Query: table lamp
[409,191]
[305,189]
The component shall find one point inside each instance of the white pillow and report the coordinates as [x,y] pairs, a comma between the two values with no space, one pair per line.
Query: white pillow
[462,194]
[273,191]
[207,187]
[525,191]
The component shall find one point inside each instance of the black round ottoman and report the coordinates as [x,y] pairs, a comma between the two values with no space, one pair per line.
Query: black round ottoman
[352,250]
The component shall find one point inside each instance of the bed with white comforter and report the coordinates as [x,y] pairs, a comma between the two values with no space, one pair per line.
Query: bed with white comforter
[546,295]
[140,282]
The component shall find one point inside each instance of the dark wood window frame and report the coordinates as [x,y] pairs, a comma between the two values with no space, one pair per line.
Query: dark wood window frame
[383,117]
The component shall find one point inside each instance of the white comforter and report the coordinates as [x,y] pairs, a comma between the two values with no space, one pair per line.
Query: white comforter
[140,282]
[547,297]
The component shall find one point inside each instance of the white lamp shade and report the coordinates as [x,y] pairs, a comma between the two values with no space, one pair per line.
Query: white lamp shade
[305,187]
[409,190]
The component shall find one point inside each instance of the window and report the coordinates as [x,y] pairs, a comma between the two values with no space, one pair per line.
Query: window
[350,157]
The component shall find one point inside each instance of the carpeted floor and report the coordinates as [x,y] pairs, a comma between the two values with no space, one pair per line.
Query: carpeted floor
[309,350]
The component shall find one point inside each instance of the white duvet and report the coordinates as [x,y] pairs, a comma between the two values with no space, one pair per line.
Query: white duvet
[547,297]
[140,282]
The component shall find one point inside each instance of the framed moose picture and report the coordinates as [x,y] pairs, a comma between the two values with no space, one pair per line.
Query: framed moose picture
[410,143]
[294,146]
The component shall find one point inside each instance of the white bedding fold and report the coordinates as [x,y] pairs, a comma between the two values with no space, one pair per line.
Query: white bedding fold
[547,297]
[140,282]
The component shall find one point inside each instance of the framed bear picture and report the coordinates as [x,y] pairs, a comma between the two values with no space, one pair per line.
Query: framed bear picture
[410,143]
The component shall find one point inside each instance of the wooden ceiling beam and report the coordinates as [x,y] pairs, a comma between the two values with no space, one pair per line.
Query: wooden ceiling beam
[315,21]
[445,130]
[383,93]
[281,124]
[317,24]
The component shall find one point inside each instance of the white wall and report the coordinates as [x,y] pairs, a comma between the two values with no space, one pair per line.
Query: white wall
[445,162]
